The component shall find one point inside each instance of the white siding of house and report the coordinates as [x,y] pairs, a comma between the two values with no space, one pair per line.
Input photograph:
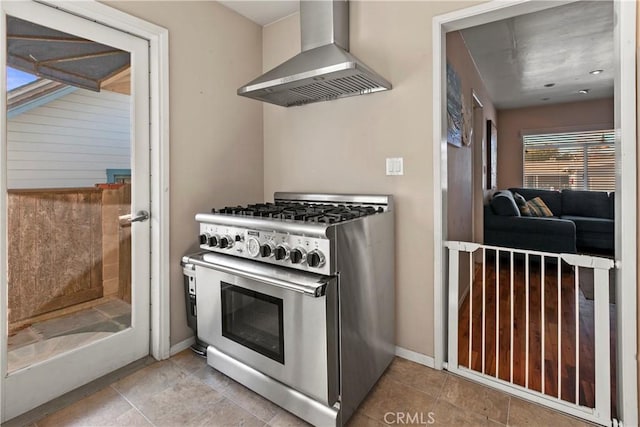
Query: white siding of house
[70,141]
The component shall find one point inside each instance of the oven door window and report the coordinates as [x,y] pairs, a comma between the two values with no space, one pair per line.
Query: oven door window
[253,320]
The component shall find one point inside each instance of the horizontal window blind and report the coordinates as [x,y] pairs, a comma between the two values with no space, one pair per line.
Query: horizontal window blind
[570,160]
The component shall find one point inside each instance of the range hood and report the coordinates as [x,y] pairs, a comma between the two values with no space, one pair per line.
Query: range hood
[325,69]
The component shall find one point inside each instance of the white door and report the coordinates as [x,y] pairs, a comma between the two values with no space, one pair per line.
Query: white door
[117,332]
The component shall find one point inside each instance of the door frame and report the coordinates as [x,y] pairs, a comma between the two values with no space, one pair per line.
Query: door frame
[626,176]
[158,39]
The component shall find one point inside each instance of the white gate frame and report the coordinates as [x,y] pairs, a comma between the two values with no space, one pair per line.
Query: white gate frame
[601,414]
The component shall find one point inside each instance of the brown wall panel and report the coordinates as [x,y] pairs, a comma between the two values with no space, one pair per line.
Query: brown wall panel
[55,249]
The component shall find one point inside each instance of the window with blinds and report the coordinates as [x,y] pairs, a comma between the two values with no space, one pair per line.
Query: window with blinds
[572,160]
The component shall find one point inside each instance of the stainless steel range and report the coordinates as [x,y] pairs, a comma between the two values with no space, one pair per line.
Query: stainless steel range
[295,298]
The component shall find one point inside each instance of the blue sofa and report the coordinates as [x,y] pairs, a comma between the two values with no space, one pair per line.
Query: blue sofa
[582,222]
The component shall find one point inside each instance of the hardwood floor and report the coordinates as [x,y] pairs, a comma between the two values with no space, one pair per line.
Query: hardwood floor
[532,372]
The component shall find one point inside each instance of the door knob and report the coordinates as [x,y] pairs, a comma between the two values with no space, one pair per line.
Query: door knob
[126,220]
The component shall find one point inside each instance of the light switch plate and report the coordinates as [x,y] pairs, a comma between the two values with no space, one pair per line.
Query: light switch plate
[395,166]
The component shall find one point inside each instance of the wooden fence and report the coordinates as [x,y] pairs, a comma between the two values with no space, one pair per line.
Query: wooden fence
[56,250]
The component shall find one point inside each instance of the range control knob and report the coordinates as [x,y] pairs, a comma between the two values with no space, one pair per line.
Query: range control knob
[266,250]
[213,241]
[204,238]
[315,259]
[298,256]
[226,242]
[281,252]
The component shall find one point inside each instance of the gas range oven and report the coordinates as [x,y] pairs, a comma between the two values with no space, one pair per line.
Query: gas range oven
[295,299]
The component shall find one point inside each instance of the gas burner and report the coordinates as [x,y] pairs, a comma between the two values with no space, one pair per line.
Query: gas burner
[228,210]
[307,212]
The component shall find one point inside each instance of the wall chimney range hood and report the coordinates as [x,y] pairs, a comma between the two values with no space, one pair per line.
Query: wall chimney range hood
[325,69]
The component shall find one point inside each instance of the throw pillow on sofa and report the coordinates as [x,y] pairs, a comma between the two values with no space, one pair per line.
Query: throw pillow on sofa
[551,198]
[502,203]
[538,208]
[521,202]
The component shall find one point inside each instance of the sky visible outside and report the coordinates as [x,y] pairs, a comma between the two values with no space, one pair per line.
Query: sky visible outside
[17,78]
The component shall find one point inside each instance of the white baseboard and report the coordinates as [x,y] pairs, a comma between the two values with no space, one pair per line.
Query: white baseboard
[182,345]
[420,358]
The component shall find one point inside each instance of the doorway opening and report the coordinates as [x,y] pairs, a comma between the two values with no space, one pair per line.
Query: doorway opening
[147,331]
[557,280]
[68,125]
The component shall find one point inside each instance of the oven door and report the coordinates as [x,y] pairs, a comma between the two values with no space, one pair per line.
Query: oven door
[280,322]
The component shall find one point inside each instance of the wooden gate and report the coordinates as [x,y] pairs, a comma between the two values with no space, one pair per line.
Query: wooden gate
[65,248]
[54,249]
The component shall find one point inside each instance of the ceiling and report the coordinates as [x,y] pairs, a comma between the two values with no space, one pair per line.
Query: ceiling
[518,56]
[62,57]
[263,12]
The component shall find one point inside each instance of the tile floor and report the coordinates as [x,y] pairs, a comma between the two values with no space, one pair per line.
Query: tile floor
[45,339]
[184,391]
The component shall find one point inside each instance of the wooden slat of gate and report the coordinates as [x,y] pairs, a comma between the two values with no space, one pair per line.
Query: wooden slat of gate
[54,248]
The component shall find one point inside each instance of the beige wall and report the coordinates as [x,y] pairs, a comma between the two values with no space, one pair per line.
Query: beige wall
[464,178]
[216,136]
[341,146]
[570,116]
[227,132]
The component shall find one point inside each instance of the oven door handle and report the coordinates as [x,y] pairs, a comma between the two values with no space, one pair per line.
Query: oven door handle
[315,290]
